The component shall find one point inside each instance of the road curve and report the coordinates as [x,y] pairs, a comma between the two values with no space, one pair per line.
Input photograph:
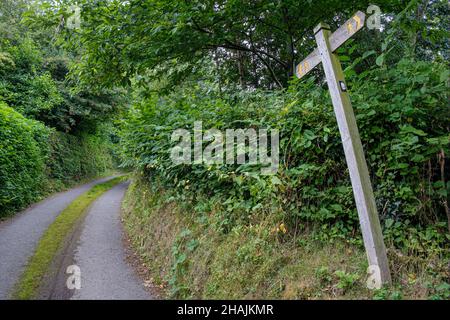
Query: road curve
[20,234]
[100,254]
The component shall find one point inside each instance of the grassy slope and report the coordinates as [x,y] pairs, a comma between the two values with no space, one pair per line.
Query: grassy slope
[185,253]
[53,240]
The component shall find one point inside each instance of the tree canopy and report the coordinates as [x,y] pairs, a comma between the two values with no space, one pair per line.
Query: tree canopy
[254,43]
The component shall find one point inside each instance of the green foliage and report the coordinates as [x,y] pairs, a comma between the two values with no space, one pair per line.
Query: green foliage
[34,74]
[402,115]
[252,43]
[184,245]
[251,261]
[37,86]
[24,86]
[22,161]
[339,278]
[34,157]
[74,157]
[441,292]
[346,280]
[387,294]
[323,275]
[217,58]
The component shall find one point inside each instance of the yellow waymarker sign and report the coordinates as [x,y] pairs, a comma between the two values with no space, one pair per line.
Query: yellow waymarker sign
[337,39]
[327,44]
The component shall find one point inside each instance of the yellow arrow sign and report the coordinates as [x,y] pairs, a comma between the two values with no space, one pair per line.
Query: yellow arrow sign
[358,22]
[337,39]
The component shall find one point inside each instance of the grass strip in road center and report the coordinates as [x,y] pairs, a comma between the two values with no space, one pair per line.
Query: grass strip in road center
[54,238]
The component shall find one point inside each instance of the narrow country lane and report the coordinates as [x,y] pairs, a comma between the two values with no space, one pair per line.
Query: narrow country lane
[20,234]
[100,253]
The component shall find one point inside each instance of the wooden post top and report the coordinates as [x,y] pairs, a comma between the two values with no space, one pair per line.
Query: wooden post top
[321,26]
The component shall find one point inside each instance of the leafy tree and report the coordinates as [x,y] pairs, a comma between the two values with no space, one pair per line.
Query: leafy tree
[34,74]
[255,43]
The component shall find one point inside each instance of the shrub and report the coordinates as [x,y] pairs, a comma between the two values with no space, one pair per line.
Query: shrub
[402,115]
[22,160]
[35,159]
[75,157]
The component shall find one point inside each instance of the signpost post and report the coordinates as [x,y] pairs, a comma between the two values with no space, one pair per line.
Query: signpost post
[327,43]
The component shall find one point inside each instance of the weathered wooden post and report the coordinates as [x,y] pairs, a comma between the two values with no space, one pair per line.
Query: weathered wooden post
[327,43]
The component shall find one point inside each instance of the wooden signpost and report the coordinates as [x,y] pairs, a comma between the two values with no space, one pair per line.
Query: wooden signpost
[327,43]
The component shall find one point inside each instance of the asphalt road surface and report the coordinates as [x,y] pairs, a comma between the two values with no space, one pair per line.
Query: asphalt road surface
[100,254]
[20,234]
